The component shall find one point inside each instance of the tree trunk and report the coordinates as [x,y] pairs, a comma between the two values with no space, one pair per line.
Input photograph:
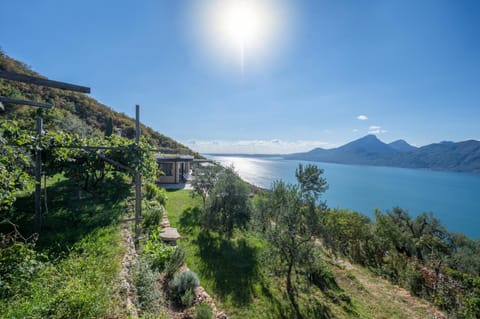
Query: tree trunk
[290,290]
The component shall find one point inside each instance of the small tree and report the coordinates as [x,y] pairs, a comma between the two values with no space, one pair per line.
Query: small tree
[289,218]
[109,127]
[229,205]
[204,181]
[311,182]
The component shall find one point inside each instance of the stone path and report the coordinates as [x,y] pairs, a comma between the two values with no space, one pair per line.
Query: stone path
[200,294]
[128,267]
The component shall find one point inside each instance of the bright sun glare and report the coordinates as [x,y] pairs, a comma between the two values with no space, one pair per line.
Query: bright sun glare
[240,30]
[242,24]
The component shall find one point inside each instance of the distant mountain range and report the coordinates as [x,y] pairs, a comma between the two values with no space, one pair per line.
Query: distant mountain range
[369,150]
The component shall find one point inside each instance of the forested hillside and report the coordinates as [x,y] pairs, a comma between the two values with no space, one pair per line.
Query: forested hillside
[72,112]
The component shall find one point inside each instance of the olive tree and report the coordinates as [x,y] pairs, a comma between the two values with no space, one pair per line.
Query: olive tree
[228,205]
[204,181]
[289,218]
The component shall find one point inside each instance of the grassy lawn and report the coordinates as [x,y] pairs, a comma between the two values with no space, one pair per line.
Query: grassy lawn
[237,275]
[178,202]
[77,259]
[231,270]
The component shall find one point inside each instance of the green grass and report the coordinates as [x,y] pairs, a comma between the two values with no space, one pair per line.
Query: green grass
[178,201]
[237,275]
[81,240]
[230,270]
[69,219]
[374,295]
[80,285]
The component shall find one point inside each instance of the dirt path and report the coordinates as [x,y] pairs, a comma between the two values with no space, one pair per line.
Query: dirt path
[392,295]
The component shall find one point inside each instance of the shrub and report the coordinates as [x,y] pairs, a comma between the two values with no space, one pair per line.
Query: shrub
[182,286]
[18,264]
[187,298]
[322,277]
[472,307]
[156,251]
[162,196]
[153,192]
[153,214]
[145,281]
[203,311]
[175,262]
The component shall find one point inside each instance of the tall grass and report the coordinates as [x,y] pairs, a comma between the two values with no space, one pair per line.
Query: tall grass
[81,249]
[80,285]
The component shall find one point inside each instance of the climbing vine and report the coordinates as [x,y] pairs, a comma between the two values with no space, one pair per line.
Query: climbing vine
[85,160]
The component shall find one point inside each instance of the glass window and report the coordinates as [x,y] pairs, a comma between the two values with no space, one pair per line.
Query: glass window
[167,168]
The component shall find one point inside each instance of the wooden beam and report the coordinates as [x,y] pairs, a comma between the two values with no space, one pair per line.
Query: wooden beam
[169,150]
[130,220]
[92,148]
[25,102]
[43,82]
[164,150]
[106,159]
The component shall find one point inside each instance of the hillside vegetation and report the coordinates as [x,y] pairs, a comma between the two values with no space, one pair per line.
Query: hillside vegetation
[288,244]
[241,276]
[74,266]
[72,270]
[260,254]
[72,113]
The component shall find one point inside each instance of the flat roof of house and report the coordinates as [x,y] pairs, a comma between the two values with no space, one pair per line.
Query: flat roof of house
[173,158]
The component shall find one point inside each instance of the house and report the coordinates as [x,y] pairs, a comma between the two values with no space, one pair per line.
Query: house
[176,168]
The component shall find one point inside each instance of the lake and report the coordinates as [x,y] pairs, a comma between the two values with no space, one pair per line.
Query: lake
[454,198]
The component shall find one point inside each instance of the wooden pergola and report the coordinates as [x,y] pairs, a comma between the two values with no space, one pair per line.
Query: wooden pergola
[38,158]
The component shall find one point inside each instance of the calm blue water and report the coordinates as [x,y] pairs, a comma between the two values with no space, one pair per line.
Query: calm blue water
[454,198]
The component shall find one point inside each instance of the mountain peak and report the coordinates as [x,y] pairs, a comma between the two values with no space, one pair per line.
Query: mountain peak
[369,144]
[402,146]
[369,137]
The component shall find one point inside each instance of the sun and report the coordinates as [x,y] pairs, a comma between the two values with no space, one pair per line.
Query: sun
[242,25]
[240,30]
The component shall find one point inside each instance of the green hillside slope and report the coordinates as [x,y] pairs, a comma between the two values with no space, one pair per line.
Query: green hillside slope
[73,112]
[242,284]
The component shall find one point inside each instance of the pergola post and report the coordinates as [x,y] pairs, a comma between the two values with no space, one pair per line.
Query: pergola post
[38,176]
[138,178]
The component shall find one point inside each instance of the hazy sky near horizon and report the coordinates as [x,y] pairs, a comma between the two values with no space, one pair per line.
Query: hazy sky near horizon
[328,73]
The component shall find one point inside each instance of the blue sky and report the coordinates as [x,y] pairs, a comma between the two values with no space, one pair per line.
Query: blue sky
[411,68]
